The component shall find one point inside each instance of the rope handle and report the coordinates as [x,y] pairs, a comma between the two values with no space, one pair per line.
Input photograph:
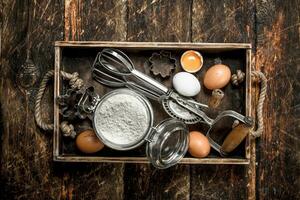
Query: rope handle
[74,82]
[260,77]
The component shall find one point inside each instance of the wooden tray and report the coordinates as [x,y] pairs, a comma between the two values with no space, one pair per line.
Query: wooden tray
[79,57]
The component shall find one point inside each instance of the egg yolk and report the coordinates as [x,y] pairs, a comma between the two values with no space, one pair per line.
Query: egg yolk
[191,61]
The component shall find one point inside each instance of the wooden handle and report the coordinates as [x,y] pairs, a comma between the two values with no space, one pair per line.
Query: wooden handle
[235,137]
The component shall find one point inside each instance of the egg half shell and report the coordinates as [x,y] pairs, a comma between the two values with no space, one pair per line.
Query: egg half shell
[191,61]
[217,77]
[198,144]
[88,142]
[186,84]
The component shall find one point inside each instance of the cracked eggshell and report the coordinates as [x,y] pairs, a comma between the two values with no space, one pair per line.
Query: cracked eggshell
[186,84]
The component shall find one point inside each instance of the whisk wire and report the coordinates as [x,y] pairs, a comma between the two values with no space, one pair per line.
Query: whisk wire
[105,62]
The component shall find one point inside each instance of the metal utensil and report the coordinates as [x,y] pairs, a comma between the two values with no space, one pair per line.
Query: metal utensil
[118,81]
[118,63]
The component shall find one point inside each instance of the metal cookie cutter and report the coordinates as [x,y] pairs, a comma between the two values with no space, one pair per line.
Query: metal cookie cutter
[162,63]
[68,103]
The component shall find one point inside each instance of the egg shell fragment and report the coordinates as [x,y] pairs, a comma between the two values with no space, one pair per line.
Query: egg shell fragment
[217,77]
[186,84]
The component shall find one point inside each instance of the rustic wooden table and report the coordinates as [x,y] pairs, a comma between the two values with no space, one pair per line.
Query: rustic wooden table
[29,28]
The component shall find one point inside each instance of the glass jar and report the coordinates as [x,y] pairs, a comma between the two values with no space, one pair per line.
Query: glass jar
[167,142]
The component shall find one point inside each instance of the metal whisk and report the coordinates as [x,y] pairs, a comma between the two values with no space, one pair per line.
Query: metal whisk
[117,63]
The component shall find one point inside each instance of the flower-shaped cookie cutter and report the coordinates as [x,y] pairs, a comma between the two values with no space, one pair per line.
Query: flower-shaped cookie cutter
[162,63]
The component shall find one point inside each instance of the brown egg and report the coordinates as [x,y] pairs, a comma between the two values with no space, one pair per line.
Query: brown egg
[217,77]
[199,145]
[88,142]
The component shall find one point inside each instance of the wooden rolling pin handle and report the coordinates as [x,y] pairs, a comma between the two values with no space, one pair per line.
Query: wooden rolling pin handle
[236,136]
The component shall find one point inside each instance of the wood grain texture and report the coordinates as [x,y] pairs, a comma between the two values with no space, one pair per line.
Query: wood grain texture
[218,182]
[159,21]
[226,21]
[278,55]
[27,170]
[152,21]
[145,182]
[223,21]
[95,20]
[93,181]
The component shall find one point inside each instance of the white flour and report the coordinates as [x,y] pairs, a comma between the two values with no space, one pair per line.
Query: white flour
[122,119]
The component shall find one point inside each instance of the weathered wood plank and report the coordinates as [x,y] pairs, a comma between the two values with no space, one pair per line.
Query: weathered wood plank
[159,21]
[93,181]
[145,182]
[223,21]
[226,21]
[95,20]
[27,170]
[218,182]
[156,45]
[153,21]
[278,54]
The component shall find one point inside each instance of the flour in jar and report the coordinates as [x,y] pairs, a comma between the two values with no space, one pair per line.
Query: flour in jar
[122,119]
